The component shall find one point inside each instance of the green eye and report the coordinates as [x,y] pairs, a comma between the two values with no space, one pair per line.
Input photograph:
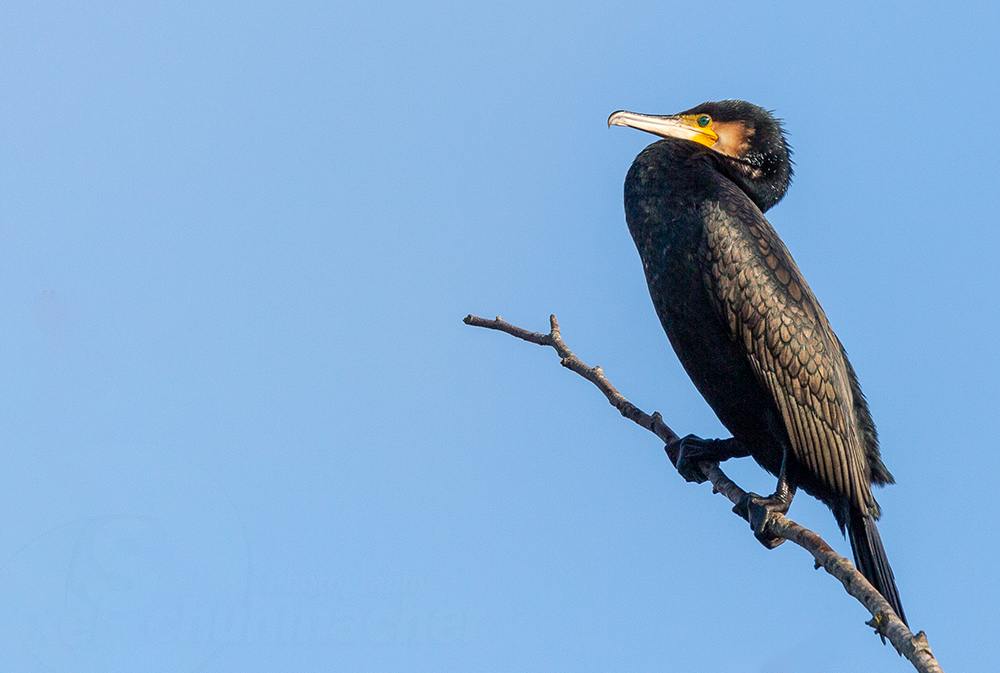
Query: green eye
[704,121]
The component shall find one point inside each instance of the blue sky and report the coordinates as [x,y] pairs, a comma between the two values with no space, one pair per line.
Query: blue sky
[243,427]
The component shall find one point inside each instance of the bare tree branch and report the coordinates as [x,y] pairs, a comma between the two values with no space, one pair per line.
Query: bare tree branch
[885,622]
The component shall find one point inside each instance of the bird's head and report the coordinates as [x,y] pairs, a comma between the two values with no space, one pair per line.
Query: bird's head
[747,142]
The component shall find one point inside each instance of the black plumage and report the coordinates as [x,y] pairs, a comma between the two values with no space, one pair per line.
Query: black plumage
[744,323]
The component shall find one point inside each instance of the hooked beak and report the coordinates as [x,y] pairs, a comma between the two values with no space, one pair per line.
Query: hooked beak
[669,126]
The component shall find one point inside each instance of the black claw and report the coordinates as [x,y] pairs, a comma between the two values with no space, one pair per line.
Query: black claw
[756,509]
[689,452]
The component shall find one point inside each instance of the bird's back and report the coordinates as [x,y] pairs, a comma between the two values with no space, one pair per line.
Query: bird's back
[746,325]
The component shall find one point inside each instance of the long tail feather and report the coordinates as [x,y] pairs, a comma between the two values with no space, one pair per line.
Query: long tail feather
[870,558]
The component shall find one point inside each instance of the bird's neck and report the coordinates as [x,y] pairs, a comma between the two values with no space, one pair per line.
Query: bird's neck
[763,178]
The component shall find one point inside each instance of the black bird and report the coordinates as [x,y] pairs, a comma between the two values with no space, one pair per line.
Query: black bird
[745,324]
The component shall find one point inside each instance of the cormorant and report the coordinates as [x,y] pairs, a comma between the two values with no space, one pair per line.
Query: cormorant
[745,325]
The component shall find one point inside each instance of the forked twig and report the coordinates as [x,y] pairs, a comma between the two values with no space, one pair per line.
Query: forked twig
[884,620]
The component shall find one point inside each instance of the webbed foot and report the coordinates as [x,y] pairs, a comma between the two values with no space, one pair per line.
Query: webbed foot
[756,509]
[687,454]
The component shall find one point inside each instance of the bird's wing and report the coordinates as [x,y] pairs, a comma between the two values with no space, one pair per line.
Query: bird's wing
[770,310]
